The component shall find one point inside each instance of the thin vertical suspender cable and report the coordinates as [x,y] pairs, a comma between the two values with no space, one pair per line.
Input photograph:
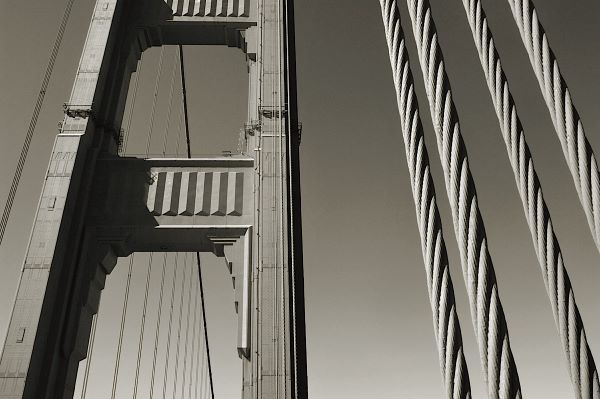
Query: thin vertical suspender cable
[154,99]
[167,355]
[569,128]
[149,273]
[168,123]
[136,82]
[202,372]
[132,257]
[500,370]
[128,282]
[142,327]
[198,351]
[168,349]
[580,360]
[201,360]
[177,139]
[90,351]
[164,265]
[194,349]
[158,322]
[122,329]
[189,154]
[455,375]
[187,333]
[177,350]
[34,118]
[210,378]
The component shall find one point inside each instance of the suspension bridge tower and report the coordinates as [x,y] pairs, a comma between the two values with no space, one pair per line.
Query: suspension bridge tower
[97,205]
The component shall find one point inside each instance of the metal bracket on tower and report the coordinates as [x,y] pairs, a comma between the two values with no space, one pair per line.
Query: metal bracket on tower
[272,112]
[251,127]
[78,110]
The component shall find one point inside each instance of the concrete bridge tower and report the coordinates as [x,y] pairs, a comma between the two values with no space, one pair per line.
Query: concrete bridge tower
[97,206]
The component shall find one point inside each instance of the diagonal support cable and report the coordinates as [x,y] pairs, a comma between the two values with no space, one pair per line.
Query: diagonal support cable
[500,370]
[569,128]
[582,367]
[447,329]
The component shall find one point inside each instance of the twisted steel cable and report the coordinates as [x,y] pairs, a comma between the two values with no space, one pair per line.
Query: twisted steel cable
[455,375]
[500,371]
[582,367]
[569,128]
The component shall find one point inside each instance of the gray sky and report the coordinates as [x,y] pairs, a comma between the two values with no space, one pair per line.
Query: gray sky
[369,325]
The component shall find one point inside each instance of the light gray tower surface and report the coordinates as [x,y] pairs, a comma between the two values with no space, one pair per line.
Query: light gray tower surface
[96,206]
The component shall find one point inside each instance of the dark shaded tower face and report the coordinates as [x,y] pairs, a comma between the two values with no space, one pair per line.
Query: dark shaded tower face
[97,206]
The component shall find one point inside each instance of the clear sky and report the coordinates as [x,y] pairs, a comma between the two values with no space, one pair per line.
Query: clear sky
[369,325]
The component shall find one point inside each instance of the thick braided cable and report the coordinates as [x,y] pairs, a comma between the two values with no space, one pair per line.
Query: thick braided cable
[569,128]
[582,367]
[439,283]
[498,363]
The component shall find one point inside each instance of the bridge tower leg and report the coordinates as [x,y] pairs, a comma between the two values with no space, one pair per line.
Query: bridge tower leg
[71,249]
